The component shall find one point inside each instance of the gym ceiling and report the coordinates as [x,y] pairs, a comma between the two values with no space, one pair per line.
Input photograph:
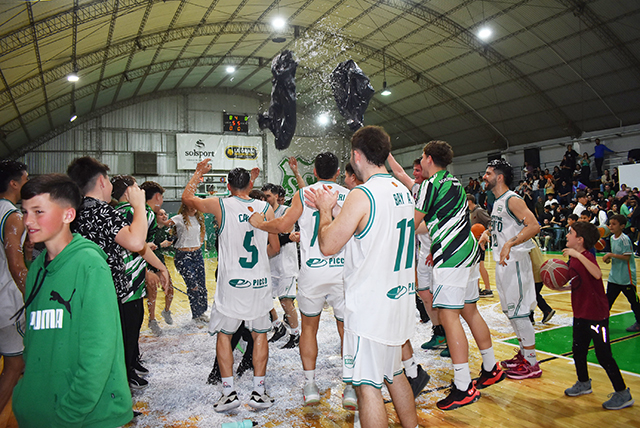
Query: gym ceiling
[483,75]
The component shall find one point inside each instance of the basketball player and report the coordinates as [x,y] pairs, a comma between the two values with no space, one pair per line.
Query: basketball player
[443,206]
[284,274]
[379,281]
[512,227]
[320,277]
[244,279]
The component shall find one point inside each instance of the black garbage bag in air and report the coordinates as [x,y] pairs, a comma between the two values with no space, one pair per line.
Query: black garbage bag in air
[352,91]
[281,117]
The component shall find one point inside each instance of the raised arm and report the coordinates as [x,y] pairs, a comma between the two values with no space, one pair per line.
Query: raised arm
[399,173]
[293,164]
[209,205]
[133,237]
[274,243]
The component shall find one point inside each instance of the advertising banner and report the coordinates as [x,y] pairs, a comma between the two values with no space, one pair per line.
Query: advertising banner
[226,151]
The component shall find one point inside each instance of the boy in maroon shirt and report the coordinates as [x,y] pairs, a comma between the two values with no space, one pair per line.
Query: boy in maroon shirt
[591,316]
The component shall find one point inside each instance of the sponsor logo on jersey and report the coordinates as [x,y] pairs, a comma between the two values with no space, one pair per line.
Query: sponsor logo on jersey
[239,283]
[260,283]
[349,361]
[499,208]
[46,319]
[336,262]
[316,263]
[397,292]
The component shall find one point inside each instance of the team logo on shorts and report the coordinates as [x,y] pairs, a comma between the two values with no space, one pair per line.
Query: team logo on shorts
[239,283]
[397,292]
[349,361]
[316,263]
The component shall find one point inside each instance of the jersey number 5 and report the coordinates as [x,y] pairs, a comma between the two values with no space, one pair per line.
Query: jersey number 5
[245,262]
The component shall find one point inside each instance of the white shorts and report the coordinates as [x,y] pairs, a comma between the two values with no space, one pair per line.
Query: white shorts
[11,344]
[515,285]
[449,296]
[284,287]
[424,271]
[366,362]
[220,323]
[312,306]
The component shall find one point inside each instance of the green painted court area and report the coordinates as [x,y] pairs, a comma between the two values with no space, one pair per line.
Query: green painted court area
[625,345]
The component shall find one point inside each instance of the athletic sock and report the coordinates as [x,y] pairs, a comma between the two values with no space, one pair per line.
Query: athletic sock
[488,359]
[276,323]
[310,375]
[410,367]
[295,331]
[438,330]
[530,356]
[227,385]
[258,384]
[461,376]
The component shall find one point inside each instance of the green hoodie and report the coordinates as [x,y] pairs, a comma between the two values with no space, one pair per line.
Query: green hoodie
[74,357]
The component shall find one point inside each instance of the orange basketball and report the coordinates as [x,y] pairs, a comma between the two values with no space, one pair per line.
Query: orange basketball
[554,273]
[477,230]
[600,245]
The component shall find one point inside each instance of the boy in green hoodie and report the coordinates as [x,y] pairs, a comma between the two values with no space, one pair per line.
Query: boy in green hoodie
[74,360]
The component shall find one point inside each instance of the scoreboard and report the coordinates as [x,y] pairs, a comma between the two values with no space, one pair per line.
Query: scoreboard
[235,123]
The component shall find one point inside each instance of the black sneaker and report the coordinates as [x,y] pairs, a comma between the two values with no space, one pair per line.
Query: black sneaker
[140,369]
[419,382]
[489,378]
[136,382]
[279,332]
[245,364]
[294,340]
[214,377]
[457,398]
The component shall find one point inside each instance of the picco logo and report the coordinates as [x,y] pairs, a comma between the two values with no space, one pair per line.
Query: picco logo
[316,263]
[237,152]
[397,292]
[239,283]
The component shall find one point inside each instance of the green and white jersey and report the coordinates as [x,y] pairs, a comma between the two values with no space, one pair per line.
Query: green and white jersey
[444,202]
[134,264]
[316,269]
[285,263]
[622,272]
[379,278]
[505,225]
[244,277]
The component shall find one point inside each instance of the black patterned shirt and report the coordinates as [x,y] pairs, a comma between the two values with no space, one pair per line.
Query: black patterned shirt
[99,222]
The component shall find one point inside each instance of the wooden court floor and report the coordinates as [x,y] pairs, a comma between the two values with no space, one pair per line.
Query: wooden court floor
[528,403]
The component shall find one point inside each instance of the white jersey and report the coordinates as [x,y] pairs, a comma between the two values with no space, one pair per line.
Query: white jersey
[10,296]
[244,278]
[505,225]
[316,269]
[379,278]
[285,263]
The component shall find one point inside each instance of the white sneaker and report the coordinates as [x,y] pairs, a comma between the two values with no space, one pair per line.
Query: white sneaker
[227,402]
[311,394]
[349,398]
[167,316]
[260,401]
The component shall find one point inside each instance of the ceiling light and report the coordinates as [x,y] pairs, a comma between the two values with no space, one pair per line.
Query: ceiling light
[385,90]
[74,117]
[278,23]
[73,77]
[323,119]
[484,33]
[230,69]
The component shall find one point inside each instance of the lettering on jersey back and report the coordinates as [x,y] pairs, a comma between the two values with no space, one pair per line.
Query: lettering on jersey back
[398,198]
[243,218]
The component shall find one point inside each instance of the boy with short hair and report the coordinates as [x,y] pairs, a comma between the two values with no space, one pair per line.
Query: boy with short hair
[591,316]
[622,277]
[71,307]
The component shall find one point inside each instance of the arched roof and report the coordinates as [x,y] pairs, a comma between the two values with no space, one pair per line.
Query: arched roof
[552,68]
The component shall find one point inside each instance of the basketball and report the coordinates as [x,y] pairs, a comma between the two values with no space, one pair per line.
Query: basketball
[477,230]
[554,273]
[604,231]
[600,245]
